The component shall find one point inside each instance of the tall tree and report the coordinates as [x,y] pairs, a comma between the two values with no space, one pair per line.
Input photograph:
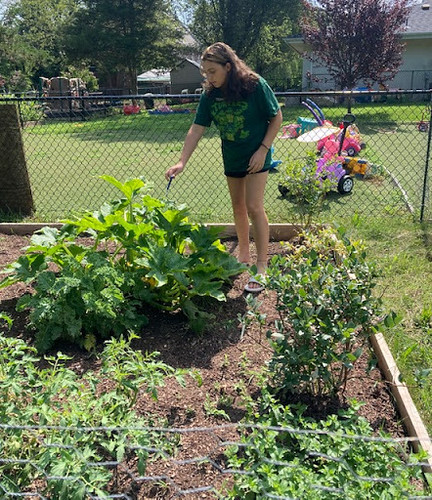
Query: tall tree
[31,35]
[238,23]
[356,40]
[272,57]
[15,190]
[123,35]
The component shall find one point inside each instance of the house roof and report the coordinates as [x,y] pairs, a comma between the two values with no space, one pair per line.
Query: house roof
[155,75]
[190,40]
[190,61]
[419,24]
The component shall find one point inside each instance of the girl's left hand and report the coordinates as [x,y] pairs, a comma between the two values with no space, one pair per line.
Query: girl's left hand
[257,160]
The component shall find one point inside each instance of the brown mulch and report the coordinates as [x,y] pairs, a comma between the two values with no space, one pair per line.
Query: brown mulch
[225,358]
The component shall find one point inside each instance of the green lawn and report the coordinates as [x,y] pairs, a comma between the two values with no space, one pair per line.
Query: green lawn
[402,251]
[65,160]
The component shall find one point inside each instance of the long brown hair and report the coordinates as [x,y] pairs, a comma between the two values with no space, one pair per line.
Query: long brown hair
[241,79]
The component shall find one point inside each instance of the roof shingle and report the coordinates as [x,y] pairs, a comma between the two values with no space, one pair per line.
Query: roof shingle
[420,18]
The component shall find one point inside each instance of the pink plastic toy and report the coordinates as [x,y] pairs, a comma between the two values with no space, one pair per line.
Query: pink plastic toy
[290,131]
[351,145]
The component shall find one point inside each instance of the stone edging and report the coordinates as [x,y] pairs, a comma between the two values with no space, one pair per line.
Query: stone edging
[406,407]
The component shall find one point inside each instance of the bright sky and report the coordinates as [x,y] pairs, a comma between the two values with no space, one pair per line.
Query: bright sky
[3,5]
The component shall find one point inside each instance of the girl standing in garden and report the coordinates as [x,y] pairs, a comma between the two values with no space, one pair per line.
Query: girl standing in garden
[248,117]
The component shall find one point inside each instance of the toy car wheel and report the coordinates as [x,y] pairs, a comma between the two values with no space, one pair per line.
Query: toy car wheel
[345,184]
[351,151]
[283,190]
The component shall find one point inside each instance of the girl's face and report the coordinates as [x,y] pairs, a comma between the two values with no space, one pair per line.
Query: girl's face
[215,73]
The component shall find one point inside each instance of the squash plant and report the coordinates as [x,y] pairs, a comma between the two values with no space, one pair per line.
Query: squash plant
[142,253]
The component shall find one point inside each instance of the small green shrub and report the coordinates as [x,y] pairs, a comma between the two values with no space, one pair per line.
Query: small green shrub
[306,190]
[327,310]
[284,454]
[143,253]
[88,77]
[30,111]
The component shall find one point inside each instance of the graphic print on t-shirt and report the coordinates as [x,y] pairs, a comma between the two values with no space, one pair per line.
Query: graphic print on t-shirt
[229,119]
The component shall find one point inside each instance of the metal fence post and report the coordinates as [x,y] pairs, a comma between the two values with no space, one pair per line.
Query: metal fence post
[428,153]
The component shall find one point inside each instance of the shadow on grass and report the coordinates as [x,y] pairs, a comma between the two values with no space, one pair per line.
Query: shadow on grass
[141,128]
[6,216]
[332,198]
[426,234]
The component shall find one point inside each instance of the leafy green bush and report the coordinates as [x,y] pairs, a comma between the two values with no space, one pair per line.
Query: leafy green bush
[61,430]
[31,111]
[143,253]
[284,454]
[304,187]
[83,72]
[327,310]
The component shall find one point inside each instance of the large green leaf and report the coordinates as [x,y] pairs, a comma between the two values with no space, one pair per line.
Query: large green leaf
[130,188]
[164,261]
[203,284]
[45,237]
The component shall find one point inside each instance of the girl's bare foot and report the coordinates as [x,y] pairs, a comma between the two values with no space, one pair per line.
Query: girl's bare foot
[244,257]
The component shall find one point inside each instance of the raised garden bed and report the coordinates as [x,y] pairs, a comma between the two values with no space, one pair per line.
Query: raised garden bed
[207,414]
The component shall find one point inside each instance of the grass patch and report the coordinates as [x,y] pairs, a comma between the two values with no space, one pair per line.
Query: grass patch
[65,160]
[403,252]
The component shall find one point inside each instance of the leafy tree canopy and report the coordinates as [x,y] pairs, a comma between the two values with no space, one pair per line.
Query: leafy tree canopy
[30,36]
[356,40]
[120,35]
[273,58]
[239,23]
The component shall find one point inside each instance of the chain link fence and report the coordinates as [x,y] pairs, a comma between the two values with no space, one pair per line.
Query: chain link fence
[68,464]
[69,142]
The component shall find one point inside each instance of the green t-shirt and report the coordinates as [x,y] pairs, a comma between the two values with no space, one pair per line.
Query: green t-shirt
[242,124]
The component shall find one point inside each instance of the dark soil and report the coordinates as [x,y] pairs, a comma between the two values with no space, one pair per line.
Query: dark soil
[224,358]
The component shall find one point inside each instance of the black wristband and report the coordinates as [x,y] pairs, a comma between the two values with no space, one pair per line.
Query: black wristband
[262,144]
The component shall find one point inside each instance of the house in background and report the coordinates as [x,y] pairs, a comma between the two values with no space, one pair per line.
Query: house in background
[415,72]
[155,81]
[186,77]
[416,69]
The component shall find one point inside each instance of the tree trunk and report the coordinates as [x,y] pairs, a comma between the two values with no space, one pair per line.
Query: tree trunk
[15,191]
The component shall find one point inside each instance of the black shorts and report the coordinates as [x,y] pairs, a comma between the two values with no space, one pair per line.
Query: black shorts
[239,175]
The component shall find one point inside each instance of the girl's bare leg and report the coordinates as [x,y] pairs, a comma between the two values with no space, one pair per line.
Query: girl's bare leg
[255,187]
[237,190]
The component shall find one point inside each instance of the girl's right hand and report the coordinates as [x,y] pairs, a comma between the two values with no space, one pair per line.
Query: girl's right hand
[173,171]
